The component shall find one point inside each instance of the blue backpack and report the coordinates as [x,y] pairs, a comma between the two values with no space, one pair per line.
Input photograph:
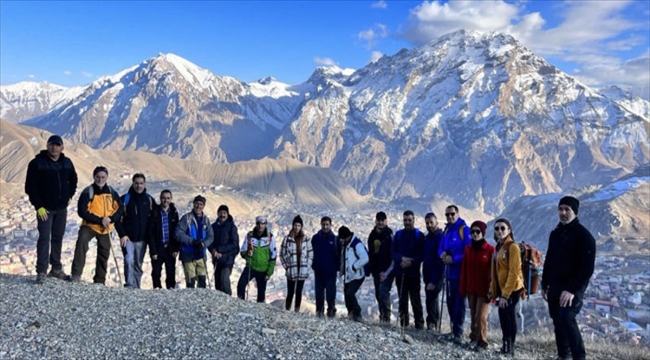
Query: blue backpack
[366,267]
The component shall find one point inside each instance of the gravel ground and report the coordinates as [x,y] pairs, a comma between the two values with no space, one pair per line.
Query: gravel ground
[81,321]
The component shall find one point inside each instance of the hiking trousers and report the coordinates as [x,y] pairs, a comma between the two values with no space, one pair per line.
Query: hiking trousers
[164,258]
[455,306]
[81,248]
[325,288]
[133,252]
[567,334]
[50,240]
[247,275]
[479,307]
[508,318]
[222,277]
[382,294]
[294,286]
[433,306]
[350,294]
[409,287]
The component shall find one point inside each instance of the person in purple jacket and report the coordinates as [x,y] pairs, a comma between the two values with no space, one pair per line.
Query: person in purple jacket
[455,238]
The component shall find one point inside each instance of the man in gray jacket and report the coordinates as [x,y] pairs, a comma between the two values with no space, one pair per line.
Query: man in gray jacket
[195,235]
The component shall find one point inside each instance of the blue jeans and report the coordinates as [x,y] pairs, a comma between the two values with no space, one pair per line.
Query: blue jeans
[50,238]
[325,288]
[133,259]
[455,306]
[382,294]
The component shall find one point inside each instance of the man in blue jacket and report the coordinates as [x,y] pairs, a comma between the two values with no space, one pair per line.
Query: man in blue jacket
[327,261]
[408,247]
[224,248]
[432,271]
[452,246]
[380,243]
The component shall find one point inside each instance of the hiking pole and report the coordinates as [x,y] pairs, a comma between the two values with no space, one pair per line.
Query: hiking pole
[442,302]
[399,318]
[117,266]
[249,263]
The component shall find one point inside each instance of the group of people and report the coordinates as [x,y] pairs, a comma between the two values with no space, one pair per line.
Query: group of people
[456,260]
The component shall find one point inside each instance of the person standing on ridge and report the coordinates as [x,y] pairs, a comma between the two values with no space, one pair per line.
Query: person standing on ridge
[432,271]
[407,252]
[260,253]
[132,229]
[380,243]
[475,283]
[354,258]
[568,266]
[296,256]
[163,247]
[455,238]
[195,235]
[50,183]
[224,248]
[99,208]
[326,264]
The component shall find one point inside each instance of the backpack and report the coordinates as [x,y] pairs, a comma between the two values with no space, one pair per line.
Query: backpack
[531,267]
[461,233]
[127,197]
[366,267]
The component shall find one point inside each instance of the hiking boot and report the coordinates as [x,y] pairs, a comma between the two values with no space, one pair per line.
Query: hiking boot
[457,340]
[447,336]
[74,278]
[58,274]
[40,278]
[358,319]
[473,344]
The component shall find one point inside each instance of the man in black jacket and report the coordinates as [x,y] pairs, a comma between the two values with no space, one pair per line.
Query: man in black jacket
[132,229]
[380,242]
[50,184]
[568,267]
[163,247]
[224,248]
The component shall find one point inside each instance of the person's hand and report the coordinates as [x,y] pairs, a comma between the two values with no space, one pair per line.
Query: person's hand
[449,260]
[431,286]
[154,257]
[175,254]
[489,296]
[382,276]
[267,277]
[106,222]
[503,302]
[123,240]
[544,295]
[566,298]
[198,244]
[249,252]
[42,214]
[214,253]
[218,256]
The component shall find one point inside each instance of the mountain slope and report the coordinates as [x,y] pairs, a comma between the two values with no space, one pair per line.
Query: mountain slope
[26,100]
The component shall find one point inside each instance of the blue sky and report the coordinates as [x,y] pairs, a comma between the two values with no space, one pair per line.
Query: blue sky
[72,43]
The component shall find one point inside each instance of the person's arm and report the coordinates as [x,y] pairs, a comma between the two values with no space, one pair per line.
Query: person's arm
[72,180]
[463,274]
[209,234]
[274,254]
[151,240]
[181,231]
[214,246]
[419,248]
[310,253]
[173,242]
[119,226]
[233,241]
[244,248]
[82,209]
[118,206]
[362,257]
[514,270]
[31,185]
[585,265]
[283,252]
[396,250]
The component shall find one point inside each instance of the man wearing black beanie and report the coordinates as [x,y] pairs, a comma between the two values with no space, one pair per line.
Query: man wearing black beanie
[224,248]
[568,267]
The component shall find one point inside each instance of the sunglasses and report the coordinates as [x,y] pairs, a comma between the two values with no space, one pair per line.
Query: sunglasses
[476,231]
[450,214]
[502,228]
[261,223]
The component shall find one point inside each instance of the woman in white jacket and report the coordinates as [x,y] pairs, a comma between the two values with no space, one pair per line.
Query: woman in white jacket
[296,255]
[354,257]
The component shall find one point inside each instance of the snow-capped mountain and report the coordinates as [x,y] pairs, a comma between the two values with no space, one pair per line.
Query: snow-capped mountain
[472,117]
[169,105]
[26,100]
[626,99]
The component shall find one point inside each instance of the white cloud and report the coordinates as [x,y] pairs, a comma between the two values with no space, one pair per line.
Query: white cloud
[588,33]
[604,70]
[86,74]
[67,72]
[370,36]
[375,55]
[324,61]
[31,76]
[381,4]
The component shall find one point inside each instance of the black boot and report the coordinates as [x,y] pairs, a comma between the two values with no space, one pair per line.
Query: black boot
[505,349]
[202,282]
[190,284]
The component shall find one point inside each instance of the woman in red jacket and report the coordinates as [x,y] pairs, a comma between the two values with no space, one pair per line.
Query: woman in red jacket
[475,283]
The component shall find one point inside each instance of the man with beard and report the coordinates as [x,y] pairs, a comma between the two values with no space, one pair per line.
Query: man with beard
[224,248]
[163,247]
[380,242]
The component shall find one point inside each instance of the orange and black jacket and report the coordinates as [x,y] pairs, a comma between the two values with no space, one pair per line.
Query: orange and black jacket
[104,202]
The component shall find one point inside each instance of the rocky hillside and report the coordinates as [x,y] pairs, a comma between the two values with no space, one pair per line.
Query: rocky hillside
[26,100]
[63,320]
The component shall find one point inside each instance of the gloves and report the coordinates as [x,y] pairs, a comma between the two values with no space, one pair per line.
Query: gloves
[42,213]
[198,244]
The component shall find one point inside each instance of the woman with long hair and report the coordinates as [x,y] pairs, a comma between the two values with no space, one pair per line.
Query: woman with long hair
[507,283]
[296,255]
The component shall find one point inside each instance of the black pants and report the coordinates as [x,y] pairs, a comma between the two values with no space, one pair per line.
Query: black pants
[433,306]
[247,275]
[325,288]
[350,294]
[508,318]
[567,334]
[409,288]
[382,294]
[164,258]
[50,239]
[81,248]
[222,277]
[294,285]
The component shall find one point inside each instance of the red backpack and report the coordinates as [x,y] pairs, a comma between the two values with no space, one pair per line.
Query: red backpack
[531,267]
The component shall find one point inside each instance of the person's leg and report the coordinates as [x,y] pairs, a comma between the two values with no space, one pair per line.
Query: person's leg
[567,316]
[260,279]
[201,273]
[299,286]
[319,294]
[402,293]
[377,286]
[458,308]
[170,269]
[384,295]
[242,283]
[59,219]
[43,244]
[471,300]
[224,279]
[290,289]
[351,302]
[482,310]
[217,274]
[103,253]
[156,270]
[416,302]
[128,252]
[512,305]
[189,268]
[330,295]
[80,250]
[140,249]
